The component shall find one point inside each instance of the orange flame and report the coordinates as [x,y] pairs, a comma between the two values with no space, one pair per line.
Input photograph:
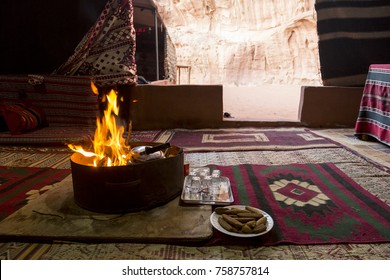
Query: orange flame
[94,88]
[110,148]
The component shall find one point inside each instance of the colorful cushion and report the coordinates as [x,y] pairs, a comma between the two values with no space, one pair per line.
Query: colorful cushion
[66,100]
[21,117]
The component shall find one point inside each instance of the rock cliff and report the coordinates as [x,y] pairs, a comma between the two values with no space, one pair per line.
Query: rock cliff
[244,42]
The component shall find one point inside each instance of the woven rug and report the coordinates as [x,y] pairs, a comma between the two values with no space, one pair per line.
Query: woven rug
[365,173]
[310,204]
[20,184]
[372,150]
[144,135]
[244,139]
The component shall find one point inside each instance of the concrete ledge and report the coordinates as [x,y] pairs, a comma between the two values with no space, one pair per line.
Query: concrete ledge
[176,106]
[329,106]
[201,106]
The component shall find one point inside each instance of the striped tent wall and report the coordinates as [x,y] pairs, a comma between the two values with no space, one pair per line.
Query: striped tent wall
[353,34]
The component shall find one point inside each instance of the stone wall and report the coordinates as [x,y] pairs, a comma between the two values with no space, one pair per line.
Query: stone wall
[244,42]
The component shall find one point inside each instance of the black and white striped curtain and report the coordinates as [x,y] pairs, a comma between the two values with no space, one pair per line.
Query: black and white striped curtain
[352,35]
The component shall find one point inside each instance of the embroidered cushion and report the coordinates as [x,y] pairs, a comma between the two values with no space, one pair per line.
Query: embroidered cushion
[21,117]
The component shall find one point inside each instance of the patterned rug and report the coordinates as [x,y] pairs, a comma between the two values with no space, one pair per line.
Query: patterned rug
[20,184]
[368,174]
[244,139]
[310,204]
[144,135]
[371,149]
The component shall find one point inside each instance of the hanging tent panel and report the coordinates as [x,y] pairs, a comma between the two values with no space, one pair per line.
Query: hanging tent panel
[352,35]
[107,51]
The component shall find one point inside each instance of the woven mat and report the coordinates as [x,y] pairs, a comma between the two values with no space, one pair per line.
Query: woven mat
[309,203]
[213,140]
[373,179]
[55,216]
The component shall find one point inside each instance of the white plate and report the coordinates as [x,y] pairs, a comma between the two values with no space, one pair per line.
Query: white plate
[214,221]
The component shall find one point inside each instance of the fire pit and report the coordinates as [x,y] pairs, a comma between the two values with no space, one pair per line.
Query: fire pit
[141,185]
[116,176]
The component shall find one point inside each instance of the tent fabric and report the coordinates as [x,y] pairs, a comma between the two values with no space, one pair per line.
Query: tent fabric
[352,36]
[107,51]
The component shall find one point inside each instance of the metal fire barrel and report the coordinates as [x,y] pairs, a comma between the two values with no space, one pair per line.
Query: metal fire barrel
[138,186]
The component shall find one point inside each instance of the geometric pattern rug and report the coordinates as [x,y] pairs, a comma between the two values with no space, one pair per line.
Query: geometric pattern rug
[251,139]
[310,204]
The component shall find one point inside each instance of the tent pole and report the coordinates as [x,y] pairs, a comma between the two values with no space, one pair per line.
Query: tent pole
[157,58]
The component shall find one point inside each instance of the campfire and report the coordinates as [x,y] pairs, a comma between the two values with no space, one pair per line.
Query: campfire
[109,146]
[114,175]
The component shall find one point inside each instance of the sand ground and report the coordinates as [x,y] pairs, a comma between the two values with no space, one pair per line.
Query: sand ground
[265,103]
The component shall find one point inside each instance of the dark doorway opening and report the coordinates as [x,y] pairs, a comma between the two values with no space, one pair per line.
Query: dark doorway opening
[150,42]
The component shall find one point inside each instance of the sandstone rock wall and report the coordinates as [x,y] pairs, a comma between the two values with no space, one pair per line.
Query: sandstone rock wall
[244,42]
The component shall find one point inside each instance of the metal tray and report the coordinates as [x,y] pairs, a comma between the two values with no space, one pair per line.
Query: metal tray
[223,196]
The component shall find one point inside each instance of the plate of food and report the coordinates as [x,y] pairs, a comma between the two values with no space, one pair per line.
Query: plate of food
[241,221]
